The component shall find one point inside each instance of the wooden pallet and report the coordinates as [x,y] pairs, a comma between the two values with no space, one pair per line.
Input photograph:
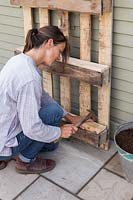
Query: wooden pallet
[88,73]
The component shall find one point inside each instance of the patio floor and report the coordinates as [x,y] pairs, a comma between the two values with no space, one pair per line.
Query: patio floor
[82,172]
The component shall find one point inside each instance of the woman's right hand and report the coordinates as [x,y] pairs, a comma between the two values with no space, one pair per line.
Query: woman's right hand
[67,130]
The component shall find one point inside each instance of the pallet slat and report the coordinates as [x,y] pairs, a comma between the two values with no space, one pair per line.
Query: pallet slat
[94,133]
[90,6]
[47,77]
[27,13]
[93,6]
[105,52]
[85,54]
[65,87]
[107,5]
[93,73]
[44,18]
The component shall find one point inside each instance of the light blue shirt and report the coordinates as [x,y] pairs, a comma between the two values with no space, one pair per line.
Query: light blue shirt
[21,97]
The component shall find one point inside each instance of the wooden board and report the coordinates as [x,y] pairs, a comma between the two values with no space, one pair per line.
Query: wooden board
[83,71]
[27,13]
[94,133]
[63,22]
[94,73]
[85,6]
[85,54]
[105,52]
[107,5]
[44,18]
[65,87]
[47,77]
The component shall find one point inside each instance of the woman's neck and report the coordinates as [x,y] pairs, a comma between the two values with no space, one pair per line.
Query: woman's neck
[34,55]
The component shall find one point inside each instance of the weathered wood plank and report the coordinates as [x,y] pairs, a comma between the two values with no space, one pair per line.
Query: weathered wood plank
[27,13]
[63,22]
[65,87]
[93,73]
[47,77]
[94,133]
[101,68]
[83,64]
[105,52]
[84,72]
[48,83]
[44,18]
[65,93]
[85,6]
[73,72]
[107,5]
[85,52]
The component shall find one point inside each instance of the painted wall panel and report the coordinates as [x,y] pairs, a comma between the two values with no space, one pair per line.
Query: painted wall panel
[123,3]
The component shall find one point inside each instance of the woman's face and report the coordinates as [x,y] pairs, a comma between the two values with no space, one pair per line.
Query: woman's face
[52,52]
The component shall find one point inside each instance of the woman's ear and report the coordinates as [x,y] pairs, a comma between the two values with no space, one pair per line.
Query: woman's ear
[50,43]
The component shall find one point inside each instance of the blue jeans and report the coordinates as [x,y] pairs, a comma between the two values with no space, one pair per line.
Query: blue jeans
[51,114]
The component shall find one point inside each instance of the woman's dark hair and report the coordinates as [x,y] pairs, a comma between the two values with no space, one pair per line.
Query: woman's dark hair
[36,37]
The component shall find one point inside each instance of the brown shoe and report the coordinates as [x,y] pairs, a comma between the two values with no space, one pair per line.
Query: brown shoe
[38,166]
[3,164]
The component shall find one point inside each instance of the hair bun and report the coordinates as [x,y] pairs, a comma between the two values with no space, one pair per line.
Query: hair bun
[34,31]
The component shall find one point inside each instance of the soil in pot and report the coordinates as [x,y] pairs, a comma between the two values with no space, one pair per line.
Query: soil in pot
[125,140]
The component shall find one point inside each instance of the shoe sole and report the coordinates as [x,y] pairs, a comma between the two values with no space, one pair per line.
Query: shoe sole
[3,164]
[35,172]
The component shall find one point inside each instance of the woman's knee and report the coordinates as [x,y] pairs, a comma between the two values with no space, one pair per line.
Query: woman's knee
[51,113]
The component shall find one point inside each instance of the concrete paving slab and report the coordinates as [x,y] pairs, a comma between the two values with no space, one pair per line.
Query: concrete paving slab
[43,189]
[107,186]
[95,155]
[115,166]
[76,164]
[12,183]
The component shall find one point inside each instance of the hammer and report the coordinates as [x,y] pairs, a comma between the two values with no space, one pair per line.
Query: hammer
[90,115]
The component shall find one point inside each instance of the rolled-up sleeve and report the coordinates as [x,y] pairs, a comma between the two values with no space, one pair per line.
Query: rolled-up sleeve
[28,106]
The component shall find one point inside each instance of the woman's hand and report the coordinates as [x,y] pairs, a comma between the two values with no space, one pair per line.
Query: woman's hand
[67,130]
[74,119]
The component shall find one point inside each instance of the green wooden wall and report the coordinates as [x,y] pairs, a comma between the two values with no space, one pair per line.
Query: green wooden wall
[11,36]
[11,30]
